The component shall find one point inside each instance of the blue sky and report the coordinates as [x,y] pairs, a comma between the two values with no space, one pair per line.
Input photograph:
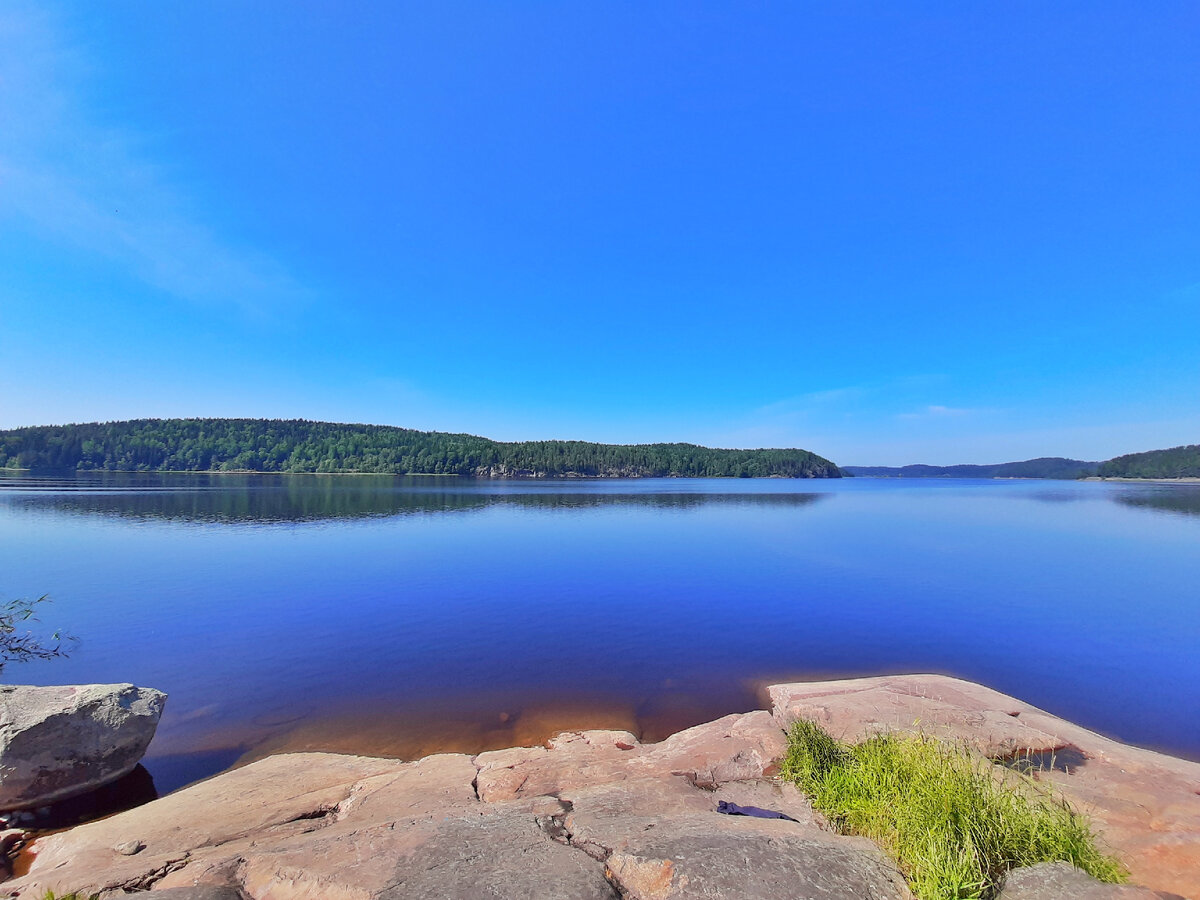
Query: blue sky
[889,233]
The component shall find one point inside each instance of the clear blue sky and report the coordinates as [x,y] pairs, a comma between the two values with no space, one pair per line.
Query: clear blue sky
[887,232]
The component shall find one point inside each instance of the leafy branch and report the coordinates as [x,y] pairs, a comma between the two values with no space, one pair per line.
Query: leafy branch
[17,643]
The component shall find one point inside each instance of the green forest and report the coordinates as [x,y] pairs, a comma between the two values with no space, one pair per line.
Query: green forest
[1177,462]
[271,445]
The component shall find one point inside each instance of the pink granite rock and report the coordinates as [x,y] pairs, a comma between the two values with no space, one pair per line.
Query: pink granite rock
[597,814]
[591,815]
[1144,805]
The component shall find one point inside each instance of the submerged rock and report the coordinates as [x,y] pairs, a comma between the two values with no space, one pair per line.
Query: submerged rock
[59,742]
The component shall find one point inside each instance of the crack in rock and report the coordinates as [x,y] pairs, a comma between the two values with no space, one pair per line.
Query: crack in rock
[147,880]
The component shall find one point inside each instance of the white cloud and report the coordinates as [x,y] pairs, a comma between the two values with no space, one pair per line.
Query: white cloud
[92,187]
[937,412]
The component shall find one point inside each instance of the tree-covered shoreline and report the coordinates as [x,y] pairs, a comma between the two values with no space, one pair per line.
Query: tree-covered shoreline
[301,446]
[1175,462]
[1053,467]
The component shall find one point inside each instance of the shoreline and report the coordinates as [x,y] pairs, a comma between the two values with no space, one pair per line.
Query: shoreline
[293,825]
[564,476]
[574,476]
[1185,479]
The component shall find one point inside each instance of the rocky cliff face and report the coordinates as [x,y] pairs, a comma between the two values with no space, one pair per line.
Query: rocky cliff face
[599,815]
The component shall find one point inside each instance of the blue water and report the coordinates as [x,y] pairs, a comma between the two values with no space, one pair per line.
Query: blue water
[404,616]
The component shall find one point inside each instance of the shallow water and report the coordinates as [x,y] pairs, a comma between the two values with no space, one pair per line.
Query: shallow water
[402,616]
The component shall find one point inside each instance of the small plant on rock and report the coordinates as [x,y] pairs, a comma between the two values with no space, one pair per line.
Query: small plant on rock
[955,822]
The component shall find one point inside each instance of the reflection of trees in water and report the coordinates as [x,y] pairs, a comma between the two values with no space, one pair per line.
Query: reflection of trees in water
[256,500]
[1172,499]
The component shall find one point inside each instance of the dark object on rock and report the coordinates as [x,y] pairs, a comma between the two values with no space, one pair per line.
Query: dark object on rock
[59,742]
[732,809]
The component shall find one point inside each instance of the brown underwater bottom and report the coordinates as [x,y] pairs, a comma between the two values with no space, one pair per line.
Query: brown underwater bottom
[599,814]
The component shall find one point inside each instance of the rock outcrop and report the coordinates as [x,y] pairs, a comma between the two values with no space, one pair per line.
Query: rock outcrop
[58,742]
[1144,804]
[591,815]
[1062,881]
[597,814]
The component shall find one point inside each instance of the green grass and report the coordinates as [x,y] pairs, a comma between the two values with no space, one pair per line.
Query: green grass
[954,822]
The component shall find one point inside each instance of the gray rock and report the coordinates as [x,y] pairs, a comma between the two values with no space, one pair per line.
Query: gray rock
[663,838]
[1062,881]
[199,892]
[129,848]
[58,742]
[740,859]
[496,856]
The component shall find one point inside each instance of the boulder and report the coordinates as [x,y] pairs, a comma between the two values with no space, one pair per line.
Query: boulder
[58,742]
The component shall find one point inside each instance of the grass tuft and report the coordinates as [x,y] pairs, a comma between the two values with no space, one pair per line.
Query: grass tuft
[953,821]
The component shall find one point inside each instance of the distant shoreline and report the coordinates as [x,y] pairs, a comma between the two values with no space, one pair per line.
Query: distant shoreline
[225,472]
[297,445]
[564,476]
[1187,479]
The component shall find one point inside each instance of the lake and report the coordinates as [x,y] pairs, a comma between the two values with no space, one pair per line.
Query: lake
[401,616]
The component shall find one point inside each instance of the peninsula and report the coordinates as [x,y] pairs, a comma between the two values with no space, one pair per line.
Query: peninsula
[297,446]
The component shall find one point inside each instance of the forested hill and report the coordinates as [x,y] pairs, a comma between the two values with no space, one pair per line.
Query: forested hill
[1177,462]
[1045,467]
[270,445]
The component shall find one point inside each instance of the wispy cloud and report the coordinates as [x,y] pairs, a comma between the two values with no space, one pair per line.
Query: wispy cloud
[809,401]
[91,186]
[938,412]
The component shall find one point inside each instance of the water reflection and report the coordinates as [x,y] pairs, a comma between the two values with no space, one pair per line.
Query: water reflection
[1177,499]
[294,499]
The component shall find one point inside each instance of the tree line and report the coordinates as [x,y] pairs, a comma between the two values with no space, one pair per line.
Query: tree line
[1043,467]
[297,445]
[1176,462]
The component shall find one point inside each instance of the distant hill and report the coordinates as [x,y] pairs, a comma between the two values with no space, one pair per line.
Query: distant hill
[296,445]
[1043,467]
[1177,462]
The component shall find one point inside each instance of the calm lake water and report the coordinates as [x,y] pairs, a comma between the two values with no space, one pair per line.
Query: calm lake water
[403,616]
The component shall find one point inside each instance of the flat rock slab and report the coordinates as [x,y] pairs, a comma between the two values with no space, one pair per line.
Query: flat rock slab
[1144,805]
[505,855]
[200,892]
[1062,881]
[59,742]
[498,825]
[661,838]
[689,859]
[597,814]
